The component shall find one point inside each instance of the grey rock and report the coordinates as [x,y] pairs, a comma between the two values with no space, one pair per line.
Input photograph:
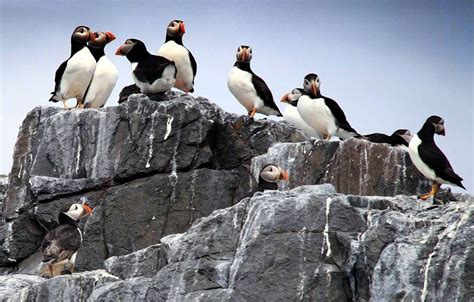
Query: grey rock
[353,166]
[143,263]
[11,285]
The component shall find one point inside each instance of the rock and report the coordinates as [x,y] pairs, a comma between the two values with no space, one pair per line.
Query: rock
[353,166]
[142,263]
[3,189]
[187,149]
[11,285]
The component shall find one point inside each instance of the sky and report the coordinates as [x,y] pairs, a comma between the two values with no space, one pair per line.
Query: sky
[389,64]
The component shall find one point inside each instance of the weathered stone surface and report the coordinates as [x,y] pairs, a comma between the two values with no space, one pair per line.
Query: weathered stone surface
[310,244]
[142,263]
[11,285]
[175,157]
[353,166]
[3,189]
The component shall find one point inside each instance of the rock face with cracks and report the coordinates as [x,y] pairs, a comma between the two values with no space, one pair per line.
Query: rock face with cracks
[166,174]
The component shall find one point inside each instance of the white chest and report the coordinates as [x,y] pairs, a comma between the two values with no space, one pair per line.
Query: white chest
[240,85]
[180,55]
[416,159]
[316,114]
[78,74]
[292,116]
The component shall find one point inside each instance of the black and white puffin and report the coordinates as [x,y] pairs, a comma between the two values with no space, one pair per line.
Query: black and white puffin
[152,74]
[323,113]
[105,75]
[429,159]
[75,74]
[248,88]
[62,242]
[401,137]
[268,179]
[174,50]
[291,114]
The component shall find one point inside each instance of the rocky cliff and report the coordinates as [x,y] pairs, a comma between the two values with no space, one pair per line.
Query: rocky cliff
[166,177]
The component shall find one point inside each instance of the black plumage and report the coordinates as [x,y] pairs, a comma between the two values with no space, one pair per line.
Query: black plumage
[394,140]
[338,114]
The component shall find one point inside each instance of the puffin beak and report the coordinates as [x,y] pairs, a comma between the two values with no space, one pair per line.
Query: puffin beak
[284,98]
[314,88]
[119,51]
[284,175]
[182,29]
[242,55]
[443,131]
[110,35]
[91,36]
[87,209]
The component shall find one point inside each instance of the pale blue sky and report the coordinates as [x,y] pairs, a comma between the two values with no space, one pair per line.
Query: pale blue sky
[388,64]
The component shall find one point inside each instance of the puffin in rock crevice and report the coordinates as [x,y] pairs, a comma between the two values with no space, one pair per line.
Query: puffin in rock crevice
[248,88]
[105,75]
[174,50]
[291,114]
[401,137]
[152,74]
[268,179]
[62,243]
[75,74]
[323,113]
[429,159]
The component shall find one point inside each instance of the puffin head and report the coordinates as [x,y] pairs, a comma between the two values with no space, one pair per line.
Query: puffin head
[176,28]
[82,34]
[244,54]
[76,211]
[101,39]
[132,48]
[311,84]
[405,134]
[273,173]
[438,124]
[292,97]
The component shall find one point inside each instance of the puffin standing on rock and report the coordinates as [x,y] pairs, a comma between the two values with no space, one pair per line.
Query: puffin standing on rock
[60,245]
[429,159]
[401,137]
[323,113]
[268,179]
[105,75]
[174,50]
[75,74]
[152,74]
[291,114]
[248,88]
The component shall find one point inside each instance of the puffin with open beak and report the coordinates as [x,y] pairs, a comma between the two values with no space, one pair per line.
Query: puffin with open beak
[429,159]
[248,88]
[75,74]
[291,114]
[61,244]
[322,113]
[152,74]
[105,75]
[174,50]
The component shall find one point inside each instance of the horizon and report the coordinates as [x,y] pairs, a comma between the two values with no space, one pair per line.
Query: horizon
[389,65]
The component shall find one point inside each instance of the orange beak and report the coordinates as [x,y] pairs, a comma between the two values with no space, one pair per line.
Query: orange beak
[284,98]
[110,36]
[87,209]
[314,88]
[182,29]
[284,175]
[119,51]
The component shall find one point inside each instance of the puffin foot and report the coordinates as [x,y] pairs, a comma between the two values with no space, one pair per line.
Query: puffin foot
[252,112]
[433,192]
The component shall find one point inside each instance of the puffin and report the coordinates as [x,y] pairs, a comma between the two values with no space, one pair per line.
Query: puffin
[62,242]
[323,113]
[105,75]
[248,88]
[152,74]
[400,137]
[268,179]
[174,50]
[429,159]
[75,74]
[291,115]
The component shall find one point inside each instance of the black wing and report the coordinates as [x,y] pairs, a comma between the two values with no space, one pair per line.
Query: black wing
[59,75]
[379,138]
[431,155]
[193,64]
[264,92]
[63,240]
[338,114]
[152,69]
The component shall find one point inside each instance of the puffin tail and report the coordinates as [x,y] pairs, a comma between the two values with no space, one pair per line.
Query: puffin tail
[54,98]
